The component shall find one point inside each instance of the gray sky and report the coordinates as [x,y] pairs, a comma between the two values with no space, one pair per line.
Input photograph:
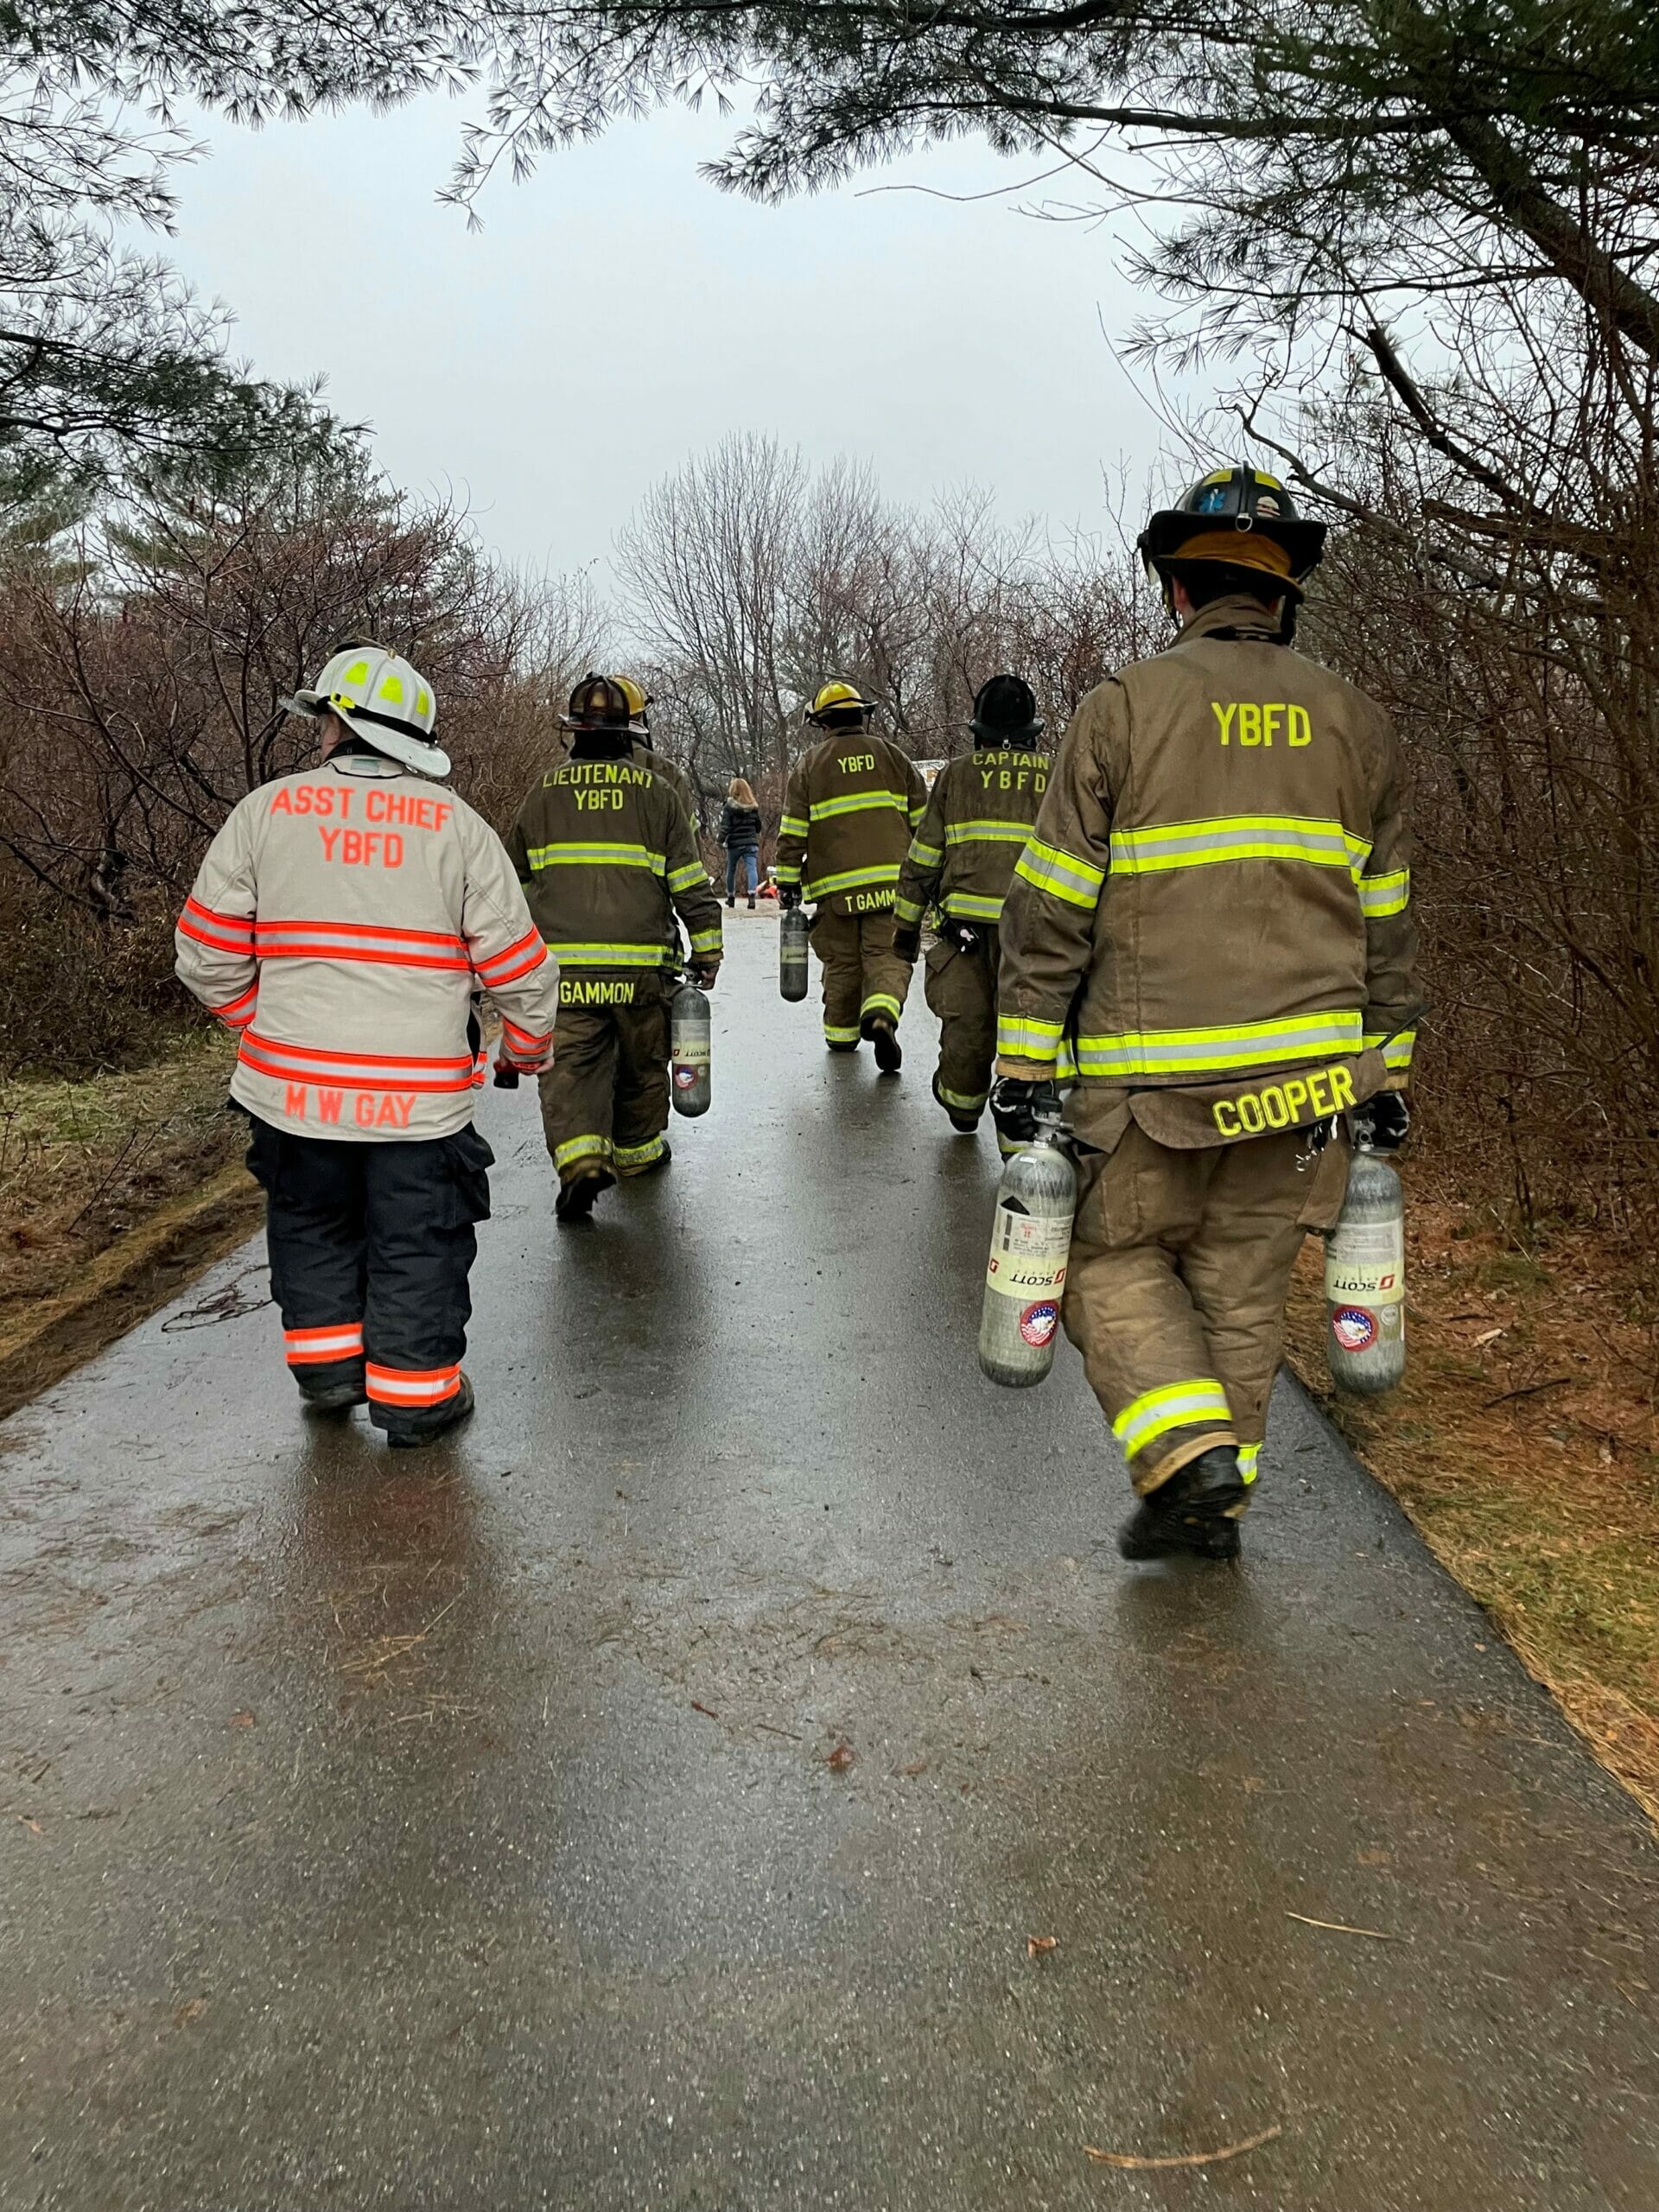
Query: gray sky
[616,312]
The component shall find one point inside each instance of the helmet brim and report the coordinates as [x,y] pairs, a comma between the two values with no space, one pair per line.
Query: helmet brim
[1300,540]
[407,746]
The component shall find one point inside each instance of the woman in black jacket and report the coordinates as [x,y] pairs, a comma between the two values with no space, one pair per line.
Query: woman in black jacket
[740,832]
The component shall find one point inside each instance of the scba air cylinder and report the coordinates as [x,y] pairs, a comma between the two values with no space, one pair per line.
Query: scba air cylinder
[791,955]
[1365,1282]
[1025,1275]
[690,1052]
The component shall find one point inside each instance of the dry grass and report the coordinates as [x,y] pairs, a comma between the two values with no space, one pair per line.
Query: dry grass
[82,1162]
[1524,1445]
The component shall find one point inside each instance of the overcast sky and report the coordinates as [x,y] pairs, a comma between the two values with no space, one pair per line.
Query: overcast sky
[616,312]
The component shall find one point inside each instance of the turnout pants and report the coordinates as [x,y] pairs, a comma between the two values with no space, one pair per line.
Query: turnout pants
[862,975]
[604,1099]
[961,988]
[370,1246]
[1175,1295]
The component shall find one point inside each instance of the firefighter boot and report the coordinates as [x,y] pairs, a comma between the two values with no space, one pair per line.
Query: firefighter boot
[576,1197]
[337,1398]
[403,1439]
[1192,1512]
[889,1053]
[966,1125]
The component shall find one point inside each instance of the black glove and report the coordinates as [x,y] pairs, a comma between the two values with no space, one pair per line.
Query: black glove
[704,977]
[1016,1107]
[959,934]
[1383,1123]
[907,941]
[789,895]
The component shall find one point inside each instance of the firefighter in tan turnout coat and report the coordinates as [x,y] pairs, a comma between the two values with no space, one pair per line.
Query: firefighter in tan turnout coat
[979,815]
[346,922]
[851,805]
[606,853]
[1213,916]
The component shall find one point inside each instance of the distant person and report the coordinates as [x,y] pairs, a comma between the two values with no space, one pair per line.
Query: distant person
[342,922]
[962,859]
[740,832]
[1213,914]
[606,853]
[853,801]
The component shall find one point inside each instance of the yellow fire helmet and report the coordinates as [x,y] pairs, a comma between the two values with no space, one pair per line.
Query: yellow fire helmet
[638,698]
[843,702]
[1240,518]
[387,702]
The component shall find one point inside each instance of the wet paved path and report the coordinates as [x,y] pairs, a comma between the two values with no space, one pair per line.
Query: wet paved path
[475,1830]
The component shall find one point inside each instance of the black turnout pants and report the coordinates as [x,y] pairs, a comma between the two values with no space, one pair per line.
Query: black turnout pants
[370,1246]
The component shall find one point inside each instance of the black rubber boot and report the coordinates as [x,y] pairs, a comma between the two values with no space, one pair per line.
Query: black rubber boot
[731,903]
[889,1054]
[340,1398]
[417,1439]
[576,1198]
[1192,1512]
[751,902]
[965,1125]
[851,1047]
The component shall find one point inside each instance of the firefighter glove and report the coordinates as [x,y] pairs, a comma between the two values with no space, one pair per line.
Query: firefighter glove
[908,941]
[1383,1123]
[1017,1107]
[789,896]
[964,938]
[704,977]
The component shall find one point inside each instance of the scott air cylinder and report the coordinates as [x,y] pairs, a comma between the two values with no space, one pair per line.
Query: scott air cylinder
[791,955]
[1024,1276]
[689,1081]
[1365,1282]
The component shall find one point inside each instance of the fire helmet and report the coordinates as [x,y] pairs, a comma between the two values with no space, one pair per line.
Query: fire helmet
[1005,712]
[381,698]
[840,706]
[598,702]
[639,701]
[1237,518]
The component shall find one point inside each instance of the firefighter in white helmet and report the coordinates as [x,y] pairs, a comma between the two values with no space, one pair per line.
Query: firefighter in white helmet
[348,922]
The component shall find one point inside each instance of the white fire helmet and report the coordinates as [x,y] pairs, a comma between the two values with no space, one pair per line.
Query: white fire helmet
[381,697]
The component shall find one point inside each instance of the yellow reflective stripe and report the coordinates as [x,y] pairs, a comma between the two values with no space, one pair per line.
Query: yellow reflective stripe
[1203,1052]
[684,878]
[587,1147]
[1223,837]
[706,940]
[881,1002]
[1248,1456]
[962,1100]
[987,833]
[1397,1051]
[608,956]
[637,1155]
[824,886]
[1046,867]
[970,906]
[783,874]
[792,825]
[1176,1405]
[855,802]
[836,1036]
[1022,1037]
[1065,1065]
[567,853]
[1384,895]
[906,910]
[926,856]
[917,812]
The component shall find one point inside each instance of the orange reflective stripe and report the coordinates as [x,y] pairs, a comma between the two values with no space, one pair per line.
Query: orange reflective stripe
[316,1347]
[517,960]
[404,1386]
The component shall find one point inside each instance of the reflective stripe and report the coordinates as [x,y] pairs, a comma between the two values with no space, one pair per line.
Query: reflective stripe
[1237,837]
[706,940]
[825,887]
[521,958]
[880,1002]
[783,874]
[1022,1037]
[835,1035]
[1046,867]
[987,833]
[523,1046]
[906,910]
[684,878]
[360,941]
[915,813]
[1248,1456]
[220,932]
[822,810]
[1176,1405]
[358,1071]
[971,907]
[319,1347]
[926,856]
[1203,1051]
[570,854]
[792,825]
[1396,1053]
[586,1147]
[417,1387]
[608,956]
[1384,895]
[962,1100]
[639,1155]
[241,1011]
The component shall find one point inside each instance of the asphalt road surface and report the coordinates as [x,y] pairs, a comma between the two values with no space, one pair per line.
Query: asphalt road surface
[741,1772]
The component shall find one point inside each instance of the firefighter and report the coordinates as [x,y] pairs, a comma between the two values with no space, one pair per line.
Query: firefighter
[852,802]
[979,815]
[1213,913]
[605,851]
[344,922]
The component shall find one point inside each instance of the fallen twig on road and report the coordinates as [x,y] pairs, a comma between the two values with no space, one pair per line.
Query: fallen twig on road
[1130,2163]
[1341,1928]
